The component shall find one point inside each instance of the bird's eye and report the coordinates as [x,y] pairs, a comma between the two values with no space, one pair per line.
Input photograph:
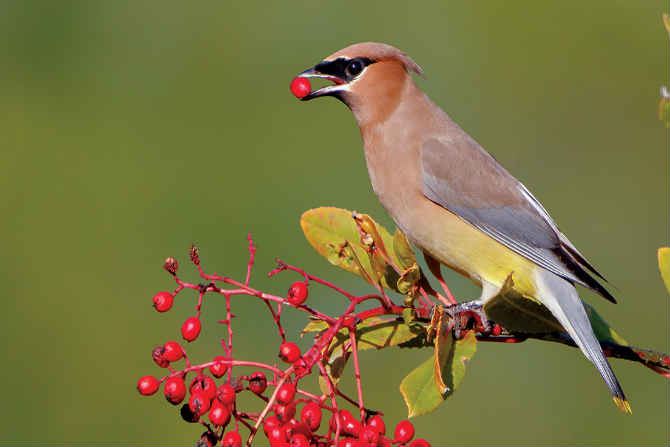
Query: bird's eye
[354,68]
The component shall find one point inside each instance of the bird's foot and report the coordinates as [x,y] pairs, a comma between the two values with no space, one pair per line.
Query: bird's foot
[468,315]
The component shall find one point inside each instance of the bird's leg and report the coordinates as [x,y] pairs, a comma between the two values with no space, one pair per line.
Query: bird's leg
[434,267]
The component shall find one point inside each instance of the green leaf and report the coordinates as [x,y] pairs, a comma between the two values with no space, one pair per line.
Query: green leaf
[357,244]
[377,333]
[664,265]
[524,315]
[403,250]
[314,326]
[419,387]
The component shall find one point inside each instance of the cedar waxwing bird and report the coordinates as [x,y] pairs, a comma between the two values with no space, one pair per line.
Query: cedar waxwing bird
[453,200]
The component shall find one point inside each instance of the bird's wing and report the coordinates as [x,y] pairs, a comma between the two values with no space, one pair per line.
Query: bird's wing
[459,175]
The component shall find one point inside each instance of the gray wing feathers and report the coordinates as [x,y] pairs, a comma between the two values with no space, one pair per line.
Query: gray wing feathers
[462,177]
[561,298]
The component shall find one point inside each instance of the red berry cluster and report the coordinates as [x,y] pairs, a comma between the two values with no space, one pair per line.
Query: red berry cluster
[291,416]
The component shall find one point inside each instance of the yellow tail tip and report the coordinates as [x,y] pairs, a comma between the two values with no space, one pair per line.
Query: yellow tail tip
[623,405]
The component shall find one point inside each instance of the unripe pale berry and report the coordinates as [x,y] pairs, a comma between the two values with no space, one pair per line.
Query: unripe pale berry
[404,431]
[289,352]
[147,385]
[163,301]
[300,87]
[297,293]
[191,328]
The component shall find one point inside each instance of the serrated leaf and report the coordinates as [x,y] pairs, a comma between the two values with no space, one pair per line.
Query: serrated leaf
[334,234]
[419,389]
[664,265]
[521,314]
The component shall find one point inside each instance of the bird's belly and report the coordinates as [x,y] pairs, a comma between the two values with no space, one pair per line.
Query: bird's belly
[462,247]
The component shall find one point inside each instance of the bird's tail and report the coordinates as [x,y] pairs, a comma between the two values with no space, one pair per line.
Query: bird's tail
[561,298]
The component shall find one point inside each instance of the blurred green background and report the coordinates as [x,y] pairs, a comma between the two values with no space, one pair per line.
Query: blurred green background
[130,129]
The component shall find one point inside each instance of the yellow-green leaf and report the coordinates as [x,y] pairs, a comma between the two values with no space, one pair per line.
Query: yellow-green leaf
[403,250]
[419,387]
[664,265]
[377,333]
[334,234]
[314,326]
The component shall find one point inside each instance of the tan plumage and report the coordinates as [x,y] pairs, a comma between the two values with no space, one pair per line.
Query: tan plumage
[452,199]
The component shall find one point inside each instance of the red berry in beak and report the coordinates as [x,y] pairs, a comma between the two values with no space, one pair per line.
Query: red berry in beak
[300,87]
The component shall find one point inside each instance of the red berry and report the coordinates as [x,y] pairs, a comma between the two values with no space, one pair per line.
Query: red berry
[285,412]
[277,437]
[163,301]
[420,443]
[297,293]
[293,426]
[311,415]
[346,441]
[377,423]
[147,385]
[404,431]
[219,368]
[286,393]
[300,87]
[191,328]
[199,403]
[175,390]
[289,352]
[369,436]
[157,355]
[270,423]
[232,439]
[258,382]
[299,440]
[172,351]
[205,385]
[226,394]
[219,413]
[351,425]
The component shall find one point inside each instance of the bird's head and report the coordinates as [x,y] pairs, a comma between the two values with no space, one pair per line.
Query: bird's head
[365,75]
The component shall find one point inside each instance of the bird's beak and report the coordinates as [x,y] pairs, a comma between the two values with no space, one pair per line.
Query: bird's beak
[330,90]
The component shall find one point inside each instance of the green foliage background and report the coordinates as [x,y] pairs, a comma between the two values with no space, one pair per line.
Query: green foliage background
[130,129]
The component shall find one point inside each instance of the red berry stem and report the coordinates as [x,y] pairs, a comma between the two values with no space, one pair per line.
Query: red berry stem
[357,373]
[250,264]
[272,400]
